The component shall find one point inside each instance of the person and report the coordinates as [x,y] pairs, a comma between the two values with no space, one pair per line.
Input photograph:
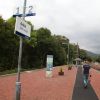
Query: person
[86,68]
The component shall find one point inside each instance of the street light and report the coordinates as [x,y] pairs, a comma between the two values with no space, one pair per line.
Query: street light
[77,56]
[68,51]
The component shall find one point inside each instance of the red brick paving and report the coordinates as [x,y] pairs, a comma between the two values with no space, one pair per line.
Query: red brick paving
[35,86]
[7,88]
[42,88]
[95,81]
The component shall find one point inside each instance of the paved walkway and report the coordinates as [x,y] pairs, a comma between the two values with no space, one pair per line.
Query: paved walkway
[95,81]
[79,92]
[36,86]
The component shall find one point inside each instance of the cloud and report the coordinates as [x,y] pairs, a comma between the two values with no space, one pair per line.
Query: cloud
[6,8]
[79,20]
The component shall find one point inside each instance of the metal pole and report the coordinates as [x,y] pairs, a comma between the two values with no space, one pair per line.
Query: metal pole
[77,51]
[18,83]
[68,53]
[77,54]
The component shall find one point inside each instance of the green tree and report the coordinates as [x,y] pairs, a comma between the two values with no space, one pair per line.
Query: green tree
[9,46]
[98,59]
[83,54]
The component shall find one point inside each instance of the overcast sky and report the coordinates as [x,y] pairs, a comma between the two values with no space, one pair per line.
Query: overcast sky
[79,20]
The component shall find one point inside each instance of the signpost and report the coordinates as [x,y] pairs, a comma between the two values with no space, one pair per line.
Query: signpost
[23,29]
[49,65]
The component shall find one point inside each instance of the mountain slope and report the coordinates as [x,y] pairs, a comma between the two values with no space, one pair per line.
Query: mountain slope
[91,54]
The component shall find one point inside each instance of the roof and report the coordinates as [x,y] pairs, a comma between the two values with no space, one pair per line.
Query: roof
[78,59]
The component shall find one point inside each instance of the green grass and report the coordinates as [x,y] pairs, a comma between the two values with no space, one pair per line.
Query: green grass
[15,71]
[8,72]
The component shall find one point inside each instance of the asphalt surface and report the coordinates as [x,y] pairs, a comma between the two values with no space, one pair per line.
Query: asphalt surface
[79,92]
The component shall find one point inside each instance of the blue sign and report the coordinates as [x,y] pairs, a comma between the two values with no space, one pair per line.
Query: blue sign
[22,35]
[29,12]
[26,15]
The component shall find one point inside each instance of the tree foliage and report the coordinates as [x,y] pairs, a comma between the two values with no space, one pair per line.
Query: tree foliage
[35,50]
[98,59]
[8,46]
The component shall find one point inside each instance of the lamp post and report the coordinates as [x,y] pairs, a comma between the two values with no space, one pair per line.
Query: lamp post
[77,56]
[68,51]
[77,50]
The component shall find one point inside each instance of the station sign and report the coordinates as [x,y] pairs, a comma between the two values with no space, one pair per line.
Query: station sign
[22,28]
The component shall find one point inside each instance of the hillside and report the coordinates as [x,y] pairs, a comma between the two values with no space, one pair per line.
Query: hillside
[91,54]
